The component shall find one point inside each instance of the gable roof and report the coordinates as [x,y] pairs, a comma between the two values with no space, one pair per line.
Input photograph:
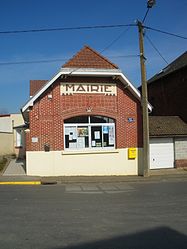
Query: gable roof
[89,58]
[167,126]
[36,85]
[177,64]
[65,71]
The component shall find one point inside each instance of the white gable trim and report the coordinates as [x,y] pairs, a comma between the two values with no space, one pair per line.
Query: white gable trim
[86,72]
[44,88]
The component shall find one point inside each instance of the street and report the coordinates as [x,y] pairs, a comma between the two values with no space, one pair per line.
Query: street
[128,215]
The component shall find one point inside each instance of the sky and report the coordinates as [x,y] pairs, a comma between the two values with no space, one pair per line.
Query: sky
[120,45]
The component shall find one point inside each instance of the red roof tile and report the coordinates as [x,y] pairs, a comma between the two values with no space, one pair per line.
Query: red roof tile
[36,85]
[89,58]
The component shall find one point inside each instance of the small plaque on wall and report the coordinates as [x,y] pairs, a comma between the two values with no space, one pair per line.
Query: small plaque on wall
[34,139]
[131,120]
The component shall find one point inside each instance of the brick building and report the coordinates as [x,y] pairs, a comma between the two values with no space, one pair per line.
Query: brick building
[84,120]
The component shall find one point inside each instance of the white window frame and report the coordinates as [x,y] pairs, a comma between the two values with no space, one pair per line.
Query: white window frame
[89,125]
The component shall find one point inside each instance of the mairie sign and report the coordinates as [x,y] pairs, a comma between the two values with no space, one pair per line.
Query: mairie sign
[91,88]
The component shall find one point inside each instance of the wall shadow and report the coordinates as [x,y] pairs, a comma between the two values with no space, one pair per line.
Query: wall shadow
[158,238]
[22,163]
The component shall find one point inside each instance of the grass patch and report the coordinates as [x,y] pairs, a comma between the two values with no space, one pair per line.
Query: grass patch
[3,161]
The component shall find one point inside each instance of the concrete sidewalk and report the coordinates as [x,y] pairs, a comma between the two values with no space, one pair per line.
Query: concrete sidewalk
[156,176]
[15,173]
[180,174]
[16,167]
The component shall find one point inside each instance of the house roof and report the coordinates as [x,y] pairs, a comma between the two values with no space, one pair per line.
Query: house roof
[36,85]
[88,70]
[167,126]
[177,64]
[89,58]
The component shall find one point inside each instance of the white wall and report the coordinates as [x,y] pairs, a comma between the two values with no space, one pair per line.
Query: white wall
[181,148]
[60,163]
[8,135]
[6,124]
[6,144]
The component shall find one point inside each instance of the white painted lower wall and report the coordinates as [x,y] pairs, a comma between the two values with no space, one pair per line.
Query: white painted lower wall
[88,163]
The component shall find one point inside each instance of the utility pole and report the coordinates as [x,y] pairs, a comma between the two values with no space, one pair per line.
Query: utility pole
[144,99]
[144,102]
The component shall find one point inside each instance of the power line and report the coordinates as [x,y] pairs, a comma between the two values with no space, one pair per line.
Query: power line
[146,36]
[30,62]
[115,40]
[145,15]
[63,59]
[86,27]
[56,60]
[66,28]
[165,32]
[125,56]
[150,4]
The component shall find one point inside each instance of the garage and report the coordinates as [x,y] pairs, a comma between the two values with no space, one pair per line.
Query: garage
[161,153]
[168,142]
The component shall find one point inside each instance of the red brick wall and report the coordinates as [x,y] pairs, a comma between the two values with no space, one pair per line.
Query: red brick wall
[180,163]
[47,115]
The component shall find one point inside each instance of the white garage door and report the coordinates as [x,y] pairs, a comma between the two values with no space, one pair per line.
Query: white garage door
[161,153]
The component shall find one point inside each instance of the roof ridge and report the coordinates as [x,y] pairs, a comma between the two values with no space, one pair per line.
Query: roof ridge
[97,54]
[177,64]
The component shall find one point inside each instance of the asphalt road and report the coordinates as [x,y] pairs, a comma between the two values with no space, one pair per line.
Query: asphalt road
[146,215]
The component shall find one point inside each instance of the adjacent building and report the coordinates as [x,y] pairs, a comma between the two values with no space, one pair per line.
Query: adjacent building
[86,120]
[167,89]
[12,137]
[168,142]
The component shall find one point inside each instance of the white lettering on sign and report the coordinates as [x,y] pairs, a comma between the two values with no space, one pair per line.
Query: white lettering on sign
[94,88]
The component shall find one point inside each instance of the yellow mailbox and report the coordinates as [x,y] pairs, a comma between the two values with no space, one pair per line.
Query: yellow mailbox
[132,153]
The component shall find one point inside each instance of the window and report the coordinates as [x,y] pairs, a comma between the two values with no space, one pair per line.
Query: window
[18,138]
[89,132]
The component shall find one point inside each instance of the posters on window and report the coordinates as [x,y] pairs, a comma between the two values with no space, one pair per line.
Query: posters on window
[71,132]
[105,129]
[78,136]
[80,142]
[82,131]
[93,143]
[72,145]
[111,135]
[97,135]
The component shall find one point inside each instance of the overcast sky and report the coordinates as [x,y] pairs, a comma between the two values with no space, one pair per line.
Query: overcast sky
[167,15]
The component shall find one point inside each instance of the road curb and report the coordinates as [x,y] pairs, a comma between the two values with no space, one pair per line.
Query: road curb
[21,183]
[48,182]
